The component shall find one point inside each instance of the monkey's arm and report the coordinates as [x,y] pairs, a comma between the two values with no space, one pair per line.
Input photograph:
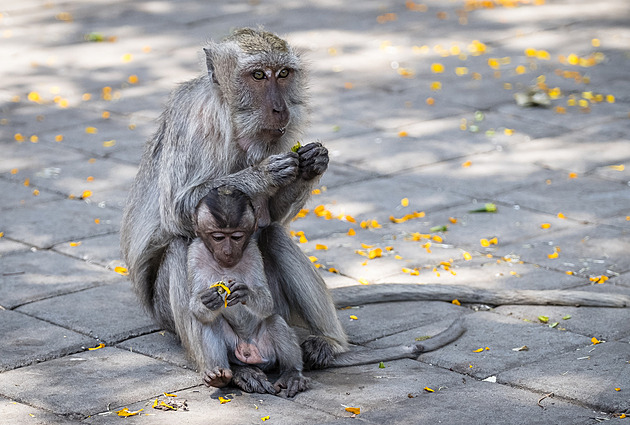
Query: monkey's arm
[179,200]
[201,275]
[259,301]
[290,199]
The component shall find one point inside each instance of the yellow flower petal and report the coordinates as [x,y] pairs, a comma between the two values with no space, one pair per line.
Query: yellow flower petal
[429,390]
[224,400]
[321,247]
[351,232]
[545,226]
[595,341]
[404,202]
[125,412]
[353,317]
[467,256]
[456,302]
[478,350]
[98,347]
[354,410]
[265,418]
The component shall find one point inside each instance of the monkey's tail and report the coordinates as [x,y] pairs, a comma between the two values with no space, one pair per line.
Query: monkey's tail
[375,355]
[388,292]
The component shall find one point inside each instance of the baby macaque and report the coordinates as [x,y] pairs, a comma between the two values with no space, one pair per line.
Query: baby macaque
[231,304]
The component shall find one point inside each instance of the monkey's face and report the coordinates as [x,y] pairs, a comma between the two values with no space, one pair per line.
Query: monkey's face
[226,245]
[268,88]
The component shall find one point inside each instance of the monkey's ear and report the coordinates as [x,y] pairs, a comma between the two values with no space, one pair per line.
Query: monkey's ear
[210,65]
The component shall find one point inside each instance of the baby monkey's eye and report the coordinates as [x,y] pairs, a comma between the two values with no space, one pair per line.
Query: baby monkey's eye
[258,75]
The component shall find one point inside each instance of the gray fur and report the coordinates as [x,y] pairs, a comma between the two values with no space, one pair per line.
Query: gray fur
[211,133]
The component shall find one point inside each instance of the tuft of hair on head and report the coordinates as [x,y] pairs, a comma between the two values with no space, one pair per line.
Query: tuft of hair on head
[254,41]
[227,205]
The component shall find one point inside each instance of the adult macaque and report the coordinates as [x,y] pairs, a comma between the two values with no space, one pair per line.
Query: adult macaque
[240,330]
[234,125]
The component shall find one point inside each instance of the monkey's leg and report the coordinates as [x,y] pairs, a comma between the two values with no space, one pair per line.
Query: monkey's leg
[375,355]
[288,354]
[213,345]
[299,290]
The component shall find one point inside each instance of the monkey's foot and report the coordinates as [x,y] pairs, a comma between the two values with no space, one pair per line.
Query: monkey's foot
[318,351]
[217,377]
[252,380]
[293,381]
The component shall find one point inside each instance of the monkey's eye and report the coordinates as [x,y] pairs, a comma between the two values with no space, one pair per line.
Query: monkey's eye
[258,75]
[284,73]
[237,236]
[218,237]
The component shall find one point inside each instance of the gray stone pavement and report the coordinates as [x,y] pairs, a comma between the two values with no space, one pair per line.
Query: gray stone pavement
[413,100]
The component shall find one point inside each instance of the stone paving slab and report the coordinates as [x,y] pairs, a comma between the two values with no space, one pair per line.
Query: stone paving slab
[13,412]
[500,335]
[482,175]
[160,345]
[589,376]
[18,195]
[44,225]
[8,246]
[101,250]
[27,340]
[109,313]
[87,383]
[94,175]
[204,407]
[483,402]
[588,250]
[34,275]
[371,387]
[604,324]
[33,157]
[375,321]
[582,198]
